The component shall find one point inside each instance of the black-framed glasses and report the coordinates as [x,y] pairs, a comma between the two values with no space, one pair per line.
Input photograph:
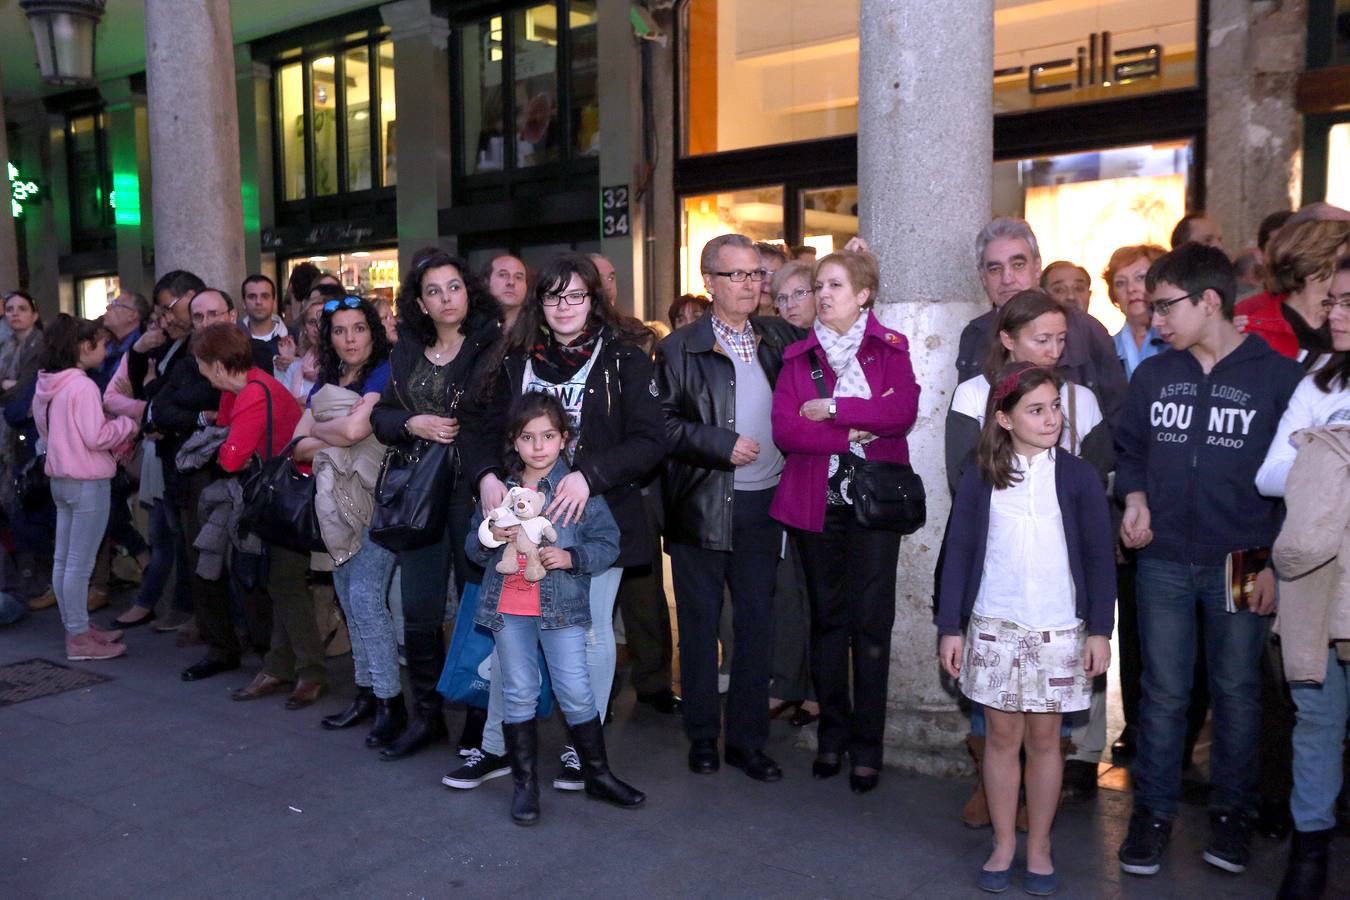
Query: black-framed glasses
[1163,307]
[796,296]
[1333,302]
[345,303]
[571,298]
[739,275]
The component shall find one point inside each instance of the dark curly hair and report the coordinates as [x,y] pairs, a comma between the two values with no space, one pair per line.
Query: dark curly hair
[330,364]
[554,277]
[414,321]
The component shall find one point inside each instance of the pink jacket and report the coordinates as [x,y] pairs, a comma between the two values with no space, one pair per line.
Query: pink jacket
[118,398]
[80,437]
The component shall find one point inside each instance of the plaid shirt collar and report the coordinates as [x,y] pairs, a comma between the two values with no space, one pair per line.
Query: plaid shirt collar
[742,342]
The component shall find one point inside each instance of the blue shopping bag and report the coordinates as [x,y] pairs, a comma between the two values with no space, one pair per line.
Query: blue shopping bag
[467,676]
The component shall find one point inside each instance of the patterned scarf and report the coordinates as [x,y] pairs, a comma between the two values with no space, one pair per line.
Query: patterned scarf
[556,362]
[842,352]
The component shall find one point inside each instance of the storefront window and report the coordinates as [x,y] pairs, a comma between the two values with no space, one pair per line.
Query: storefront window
[323,88]
[536,89]
[291,126]
[585,94]
[829,218]
[356,113]
[484,137]
[94,294]
[759,72]
[388,115]
[366,273]
[90,176]
[1338,165]
[756,213]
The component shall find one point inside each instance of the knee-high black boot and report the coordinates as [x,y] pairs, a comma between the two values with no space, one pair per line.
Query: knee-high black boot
[589,739]
[427,725]
[522,749]
[391,718]
[1306,876]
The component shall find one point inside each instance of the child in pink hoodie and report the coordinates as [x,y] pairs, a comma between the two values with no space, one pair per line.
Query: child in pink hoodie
[80,439]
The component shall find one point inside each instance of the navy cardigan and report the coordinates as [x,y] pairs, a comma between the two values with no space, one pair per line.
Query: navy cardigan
[1087,531]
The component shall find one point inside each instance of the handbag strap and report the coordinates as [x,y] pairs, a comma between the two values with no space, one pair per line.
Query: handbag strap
[818,373]
[268,394]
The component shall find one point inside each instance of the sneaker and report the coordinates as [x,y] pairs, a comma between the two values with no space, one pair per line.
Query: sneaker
[1142,851]
[569,777]
[480,767]
[104,635]
[1229,847]
[172,622]
[87,646]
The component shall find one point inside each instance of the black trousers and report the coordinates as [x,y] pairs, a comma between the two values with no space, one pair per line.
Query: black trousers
[850,577]
[701,576]
[1127,631]
[210,599]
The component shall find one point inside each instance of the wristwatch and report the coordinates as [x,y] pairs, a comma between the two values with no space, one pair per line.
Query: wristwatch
[832,408]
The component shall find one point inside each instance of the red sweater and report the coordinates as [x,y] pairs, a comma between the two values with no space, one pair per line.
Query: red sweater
[245,414]
[1265,318]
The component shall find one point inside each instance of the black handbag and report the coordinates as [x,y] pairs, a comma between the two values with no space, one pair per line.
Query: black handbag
[32,487]
[887,496]
[412,495]
[279,499]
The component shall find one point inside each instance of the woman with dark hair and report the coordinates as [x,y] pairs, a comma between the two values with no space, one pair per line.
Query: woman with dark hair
[19,355]
[337,437]
[68,407]
[570,342]
[687,309]
[298,287]
[448,327]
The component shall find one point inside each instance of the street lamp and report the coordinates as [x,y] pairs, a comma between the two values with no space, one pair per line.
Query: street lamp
[63,31]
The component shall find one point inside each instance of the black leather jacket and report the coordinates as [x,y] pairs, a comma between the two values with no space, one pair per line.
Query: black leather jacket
[695,383]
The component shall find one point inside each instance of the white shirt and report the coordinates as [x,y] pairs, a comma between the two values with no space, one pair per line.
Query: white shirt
[571,393]
[1083,414]
[1309,407]
[1026,577]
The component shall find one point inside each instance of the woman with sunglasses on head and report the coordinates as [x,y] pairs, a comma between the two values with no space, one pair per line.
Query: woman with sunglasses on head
[448,326]
[570,342]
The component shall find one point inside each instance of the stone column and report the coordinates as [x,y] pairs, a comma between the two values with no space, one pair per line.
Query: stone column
[194,140]
[253,87]
[422,97]
[1253,132]
[620,89]
[661,267]
[131,184]
[925,162]
[9,241]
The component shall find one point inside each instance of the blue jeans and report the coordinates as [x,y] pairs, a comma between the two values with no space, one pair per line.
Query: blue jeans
[1319,742]
[168,553]
[1168,595]
[81,518]
[600,657]
[362,583]
[565,650]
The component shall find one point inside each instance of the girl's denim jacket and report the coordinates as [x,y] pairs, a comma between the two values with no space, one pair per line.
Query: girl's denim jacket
[564,594]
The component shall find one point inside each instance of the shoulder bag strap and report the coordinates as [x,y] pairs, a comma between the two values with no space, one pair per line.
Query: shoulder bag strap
[1073,418]
[268,394]
[818,373]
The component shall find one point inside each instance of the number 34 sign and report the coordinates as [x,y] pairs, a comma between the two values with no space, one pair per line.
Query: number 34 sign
[614,211]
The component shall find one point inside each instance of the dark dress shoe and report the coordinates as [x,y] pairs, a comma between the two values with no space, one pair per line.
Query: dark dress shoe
[861,784]
[703,759]
[755,763]
[262,685]
[801,717]
[391,717]
[144,620]
[1123,747]
[208,667]
[666,702]
[305,693]
[421,732]
[362,707]
[826,765]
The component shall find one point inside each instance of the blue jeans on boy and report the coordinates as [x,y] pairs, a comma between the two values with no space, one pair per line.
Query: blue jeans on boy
[1319,745]
[1168,594]
[362,583]
[168,553]
[518,658]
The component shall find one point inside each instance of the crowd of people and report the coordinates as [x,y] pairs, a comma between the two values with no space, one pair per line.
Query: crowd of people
[508,451]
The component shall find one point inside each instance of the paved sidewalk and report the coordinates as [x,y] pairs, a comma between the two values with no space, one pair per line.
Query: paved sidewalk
[148,787]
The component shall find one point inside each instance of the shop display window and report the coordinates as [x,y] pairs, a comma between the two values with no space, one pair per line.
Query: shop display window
[829,218]
[90,174]
[756,213]
[290,103]
[1338,165]
[92,295]
[762,72]
[366,273]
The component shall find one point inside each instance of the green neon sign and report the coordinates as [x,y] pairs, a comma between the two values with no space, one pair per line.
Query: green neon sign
[20,190]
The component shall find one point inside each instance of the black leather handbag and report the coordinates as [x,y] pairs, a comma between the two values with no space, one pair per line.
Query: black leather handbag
[412,495]
[887,496]
[279,499]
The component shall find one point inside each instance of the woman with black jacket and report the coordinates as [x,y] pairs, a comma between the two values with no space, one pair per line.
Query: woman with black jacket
[570,342]
[445,339]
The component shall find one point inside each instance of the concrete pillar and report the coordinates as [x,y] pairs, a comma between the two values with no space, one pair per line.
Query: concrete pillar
[131,184]
[9,244]
[194,140]
[1253,134]
[661,261]
[925,162]
[421,73]
[253,88]
[621,152]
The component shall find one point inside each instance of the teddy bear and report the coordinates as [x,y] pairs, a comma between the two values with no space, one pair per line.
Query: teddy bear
[523,507]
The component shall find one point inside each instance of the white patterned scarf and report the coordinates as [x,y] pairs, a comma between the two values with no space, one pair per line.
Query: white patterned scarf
[841,350]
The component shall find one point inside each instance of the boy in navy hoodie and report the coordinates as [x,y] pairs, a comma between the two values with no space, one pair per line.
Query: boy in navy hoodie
[1198,420]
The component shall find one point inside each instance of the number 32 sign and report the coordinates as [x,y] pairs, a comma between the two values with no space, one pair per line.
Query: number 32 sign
[614,211]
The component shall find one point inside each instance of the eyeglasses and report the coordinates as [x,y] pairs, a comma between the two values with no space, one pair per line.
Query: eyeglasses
[1334,302]
[1163,307]
[118,304]
[572,298]
[347,302]
[740,275]
[796,296]
[177,300]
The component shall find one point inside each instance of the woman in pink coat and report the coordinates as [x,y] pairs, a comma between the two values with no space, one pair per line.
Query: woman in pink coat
[80,439]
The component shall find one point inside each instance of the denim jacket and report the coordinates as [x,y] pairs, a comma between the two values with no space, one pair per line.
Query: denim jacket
[564,594]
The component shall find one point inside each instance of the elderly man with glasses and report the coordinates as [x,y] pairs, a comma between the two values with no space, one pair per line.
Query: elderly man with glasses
[715,381]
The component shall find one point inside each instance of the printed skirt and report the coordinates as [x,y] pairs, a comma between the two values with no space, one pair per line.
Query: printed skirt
[1014,669]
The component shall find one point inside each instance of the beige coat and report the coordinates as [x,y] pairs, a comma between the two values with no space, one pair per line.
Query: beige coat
[345,477]
[1312,554]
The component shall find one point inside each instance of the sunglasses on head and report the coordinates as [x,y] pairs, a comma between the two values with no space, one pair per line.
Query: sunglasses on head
[344,303]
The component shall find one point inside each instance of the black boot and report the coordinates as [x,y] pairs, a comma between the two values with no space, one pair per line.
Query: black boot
[362,708]
[522,749]
[1306,877]
[426,657]
[589,739]
[471,738]
[391,718]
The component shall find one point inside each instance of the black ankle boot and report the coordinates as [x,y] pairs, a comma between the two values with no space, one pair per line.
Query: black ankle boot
[471,738]
[421,732]
[362,708]
[1306,877]
[522,749]
[589,739]
[426,658]
[391,718]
